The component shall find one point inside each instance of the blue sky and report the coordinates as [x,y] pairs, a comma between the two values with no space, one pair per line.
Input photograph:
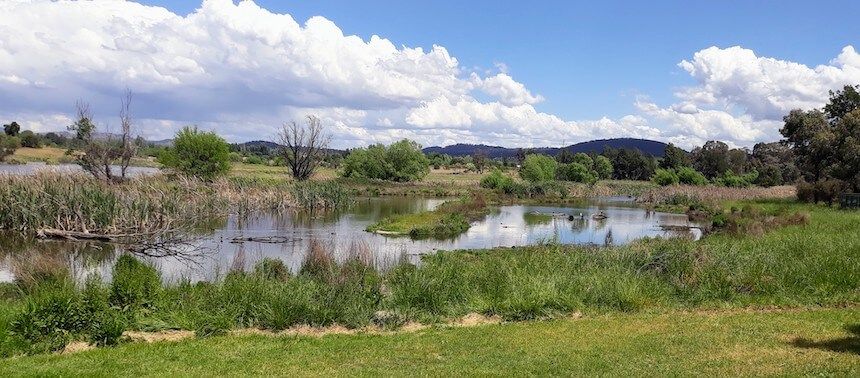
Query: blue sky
[589,59]
[508,73]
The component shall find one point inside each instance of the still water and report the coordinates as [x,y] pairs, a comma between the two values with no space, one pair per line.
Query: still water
[343,233]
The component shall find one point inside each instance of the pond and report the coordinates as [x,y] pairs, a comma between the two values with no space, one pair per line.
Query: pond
[344,233]
[33,168]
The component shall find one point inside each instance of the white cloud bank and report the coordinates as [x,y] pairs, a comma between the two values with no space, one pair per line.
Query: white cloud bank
[242,70]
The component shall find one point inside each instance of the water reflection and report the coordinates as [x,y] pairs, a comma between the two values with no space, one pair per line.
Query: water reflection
[506,226]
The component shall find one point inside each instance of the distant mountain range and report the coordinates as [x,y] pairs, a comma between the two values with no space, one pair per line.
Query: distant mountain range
[650,147]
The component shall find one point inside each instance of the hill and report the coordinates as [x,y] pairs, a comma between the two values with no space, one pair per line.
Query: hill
[651,147]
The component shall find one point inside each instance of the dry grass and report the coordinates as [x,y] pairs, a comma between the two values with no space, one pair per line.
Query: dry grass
[717,194]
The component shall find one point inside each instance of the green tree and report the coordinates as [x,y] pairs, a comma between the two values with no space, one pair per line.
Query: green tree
[603,167]
[12,129]
[584,159]
[842,102]
[196,153]
[564,157]
[30,139]
[538,167]
[407,161]
[402,161]
[577,172]
[630,164]
[826,146]
[674,157]
[8,145]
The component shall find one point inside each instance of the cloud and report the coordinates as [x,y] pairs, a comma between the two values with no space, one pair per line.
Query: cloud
[242,70]
[741,98]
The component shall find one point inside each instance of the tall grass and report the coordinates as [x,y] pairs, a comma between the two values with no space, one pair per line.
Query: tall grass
[76,202]
[797,264]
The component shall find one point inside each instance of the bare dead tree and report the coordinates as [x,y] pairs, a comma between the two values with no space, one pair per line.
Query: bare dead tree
[98,155]
[127,148]
[479,158]
[304,145]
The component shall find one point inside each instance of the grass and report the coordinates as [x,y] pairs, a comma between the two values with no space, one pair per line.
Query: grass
[56,155]
[669,344]
[448,220]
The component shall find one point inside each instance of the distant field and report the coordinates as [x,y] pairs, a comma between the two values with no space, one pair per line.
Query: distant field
[736,343]
[55,155]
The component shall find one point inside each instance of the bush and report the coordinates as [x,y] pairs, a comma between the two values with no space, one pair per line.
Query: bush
[52,316]
[30,139]
[201,154]
[402,162]
[577,172]
[496,180]
[827,191]
[690,176]
[730,179]
[538,168]
[254,159]
[8,145]
[664,177]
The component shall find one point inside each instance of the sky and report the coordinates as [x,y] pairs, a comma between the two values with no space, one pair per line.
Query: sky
[541,73]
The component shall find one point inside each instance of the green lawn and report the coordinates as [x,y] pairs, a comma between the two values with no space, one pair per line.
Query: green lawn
[789,342]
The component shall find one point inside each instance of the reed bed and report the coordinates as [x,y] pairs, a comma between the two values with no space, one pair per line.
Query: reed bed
[77,202]
[716,194]
[799,264]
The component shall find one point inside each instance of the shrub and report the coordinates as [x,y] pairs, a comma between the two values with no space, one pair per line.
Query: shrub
[8,145]
[664,177]
[690,176]
[52,316]
[402,161]
[827,191]
[538,167]
[496,180]
[732,180]
[254,159]
[577,172]
[30,139]
[201,154]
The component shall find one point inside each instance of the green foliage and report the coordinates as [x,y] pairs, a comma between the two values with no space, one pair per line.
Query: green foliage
[537,168]
[196,153]
[689,176]
[135,284]
[496,180]
[107,327]
[664,177]
[603,167]
[630,164]
[30,139]
[674,158]
[577,172]
[52,316]
[732,180]
[8,145]
[254,159]
[826,145]
[402,161]
[584,160]
[11,129]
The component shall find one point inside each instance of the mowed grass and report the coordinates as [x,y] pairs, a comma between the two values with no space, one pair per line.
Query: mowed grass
[792,342]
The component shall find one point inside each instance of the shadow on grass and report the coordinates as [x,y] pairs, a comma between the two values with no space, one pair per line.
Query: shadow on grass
[850,344]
